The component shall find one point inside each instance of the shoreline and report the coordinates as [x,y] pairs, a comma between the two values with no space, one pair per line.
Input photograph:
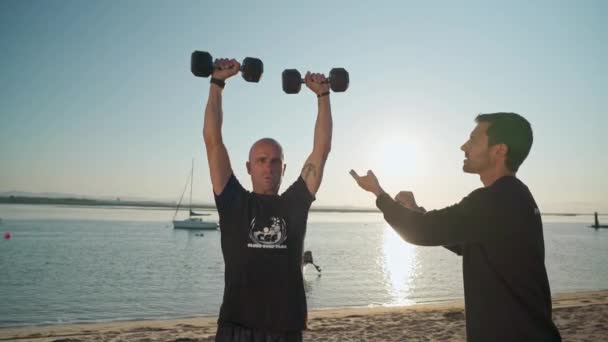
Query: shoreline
[578,315]
[152,205]
[378,307]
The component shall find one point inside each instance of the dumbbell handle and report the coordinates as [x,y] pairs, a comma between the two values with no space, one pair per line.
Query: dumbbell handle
[327,80]
[215,67]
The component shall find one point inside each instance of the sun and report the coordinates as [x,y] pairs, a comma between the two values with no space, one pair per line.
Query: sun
[396,157]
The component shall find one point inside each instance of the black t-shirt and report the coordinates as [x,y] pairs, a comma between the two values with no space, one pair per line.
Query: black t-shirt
[262,243]
[498,231]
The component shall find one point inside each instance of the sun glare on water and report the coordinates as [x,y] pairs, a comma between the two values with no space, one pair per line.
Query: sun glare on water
[399,266]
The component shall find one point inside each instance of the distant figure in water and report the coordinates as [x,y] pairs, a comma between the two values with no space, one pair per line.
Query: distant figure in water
[596,226]
[307,259]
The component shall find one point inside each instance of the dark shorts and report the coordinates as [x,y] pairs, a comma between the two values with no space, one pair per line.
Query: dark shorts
[230,332]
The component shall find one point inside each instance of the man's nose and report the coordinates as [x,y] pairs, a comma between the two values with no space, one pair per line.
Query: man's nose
[268,166]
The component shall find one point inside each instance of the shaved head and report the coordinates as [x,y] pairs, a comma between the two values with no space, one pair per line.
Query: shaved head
[266,166]
[265,142]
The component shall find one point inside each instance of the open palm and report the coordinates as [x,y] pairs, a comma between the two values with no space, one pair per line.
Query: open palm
[369,182]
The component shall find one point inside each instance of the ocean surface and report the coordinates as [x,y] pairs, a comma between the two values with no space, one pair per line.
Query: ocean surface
[87,264]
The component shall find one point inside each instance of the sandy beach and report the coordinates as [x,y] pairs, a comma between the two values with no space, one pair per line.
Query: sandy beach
[581,316]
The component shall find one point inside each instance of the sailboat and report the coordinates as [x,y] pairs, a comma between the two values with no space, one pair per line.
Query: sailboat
[194,220]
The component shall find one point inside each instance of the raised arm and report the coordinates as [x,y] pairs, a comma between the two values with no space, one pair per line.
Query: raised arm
[312,172]
[217,155]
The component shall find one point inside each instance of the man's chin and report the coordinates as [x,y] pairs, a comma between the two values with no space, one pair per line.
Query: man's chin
[271,189]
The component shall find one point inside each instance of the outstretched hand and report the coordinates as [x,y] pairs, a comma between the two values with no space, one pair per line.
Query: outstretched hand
[369,182]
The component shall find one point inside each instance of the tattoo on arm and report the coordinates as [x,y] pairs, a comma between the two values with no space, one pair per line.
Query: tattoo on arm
[309,170]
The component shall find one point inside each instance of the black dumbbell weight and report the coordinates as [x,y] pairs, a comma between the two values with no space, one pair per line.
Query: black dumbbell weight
[292,80]
[201,65]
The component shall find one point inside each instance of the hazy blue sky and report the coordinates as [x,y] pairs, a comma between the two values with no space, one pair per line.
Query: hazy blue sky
[97,97]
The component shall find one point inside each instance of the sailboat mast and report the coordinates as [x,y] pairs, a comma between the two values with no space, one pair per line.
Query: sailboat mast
[179,203]
[191,185]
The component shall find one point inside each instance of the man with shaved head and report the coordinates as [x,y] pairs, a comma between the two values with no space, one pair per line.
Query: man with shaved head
[262,232]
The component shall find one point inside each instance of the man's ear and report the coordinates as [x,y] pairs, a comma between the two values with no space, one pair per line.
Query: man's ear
[284,168]
[501,150]
[248,167]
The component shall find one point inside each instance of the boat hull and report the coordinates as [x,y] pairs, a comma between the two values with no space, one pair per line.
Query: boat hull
[195,224]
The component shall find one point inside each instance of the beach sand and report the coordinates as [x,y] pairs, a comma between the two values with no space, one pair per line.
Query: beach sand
[581,316]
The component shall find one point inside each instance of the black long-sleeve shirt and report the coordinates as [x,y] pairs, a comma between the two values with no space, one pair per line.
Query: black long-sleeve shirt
[498,232]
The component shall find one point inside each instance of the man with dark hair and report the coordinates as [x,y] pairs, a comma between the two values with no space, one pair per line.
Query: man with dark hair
[512,130]
[497,229]
[262,233]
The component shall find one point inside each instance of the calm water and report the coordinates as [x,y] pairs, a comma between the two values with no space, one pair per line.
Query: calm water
[74,264]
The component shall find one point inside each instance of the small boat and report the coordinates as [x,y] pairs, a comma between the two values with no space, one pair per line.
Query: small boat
[194,221]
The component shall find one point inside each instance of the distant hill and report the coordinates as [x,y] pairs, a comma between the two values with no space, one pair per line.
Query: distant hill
[21,198]
[58,198]
[15,197]
[69,195]
[38,194]
[81,201]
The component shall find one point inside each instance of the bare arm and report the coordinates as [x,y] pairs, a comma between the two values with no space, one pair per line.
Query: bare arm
[217,155]
[312,172]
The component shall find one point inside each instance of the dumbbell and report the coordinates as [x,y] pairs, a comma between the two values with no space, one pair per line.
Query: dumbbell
[292,80]
[201,65]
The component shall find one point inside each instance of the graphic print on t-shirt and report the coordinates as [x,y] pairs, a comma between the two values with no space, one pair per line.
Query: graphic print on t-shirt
[270,235]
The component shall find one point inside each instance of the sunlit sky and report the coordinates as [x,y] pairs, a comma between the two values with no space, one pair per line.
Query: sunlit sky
[97,98]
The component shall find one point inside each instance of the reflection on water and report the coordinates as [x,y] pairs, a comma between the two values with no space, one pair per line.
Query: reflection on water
[398,262]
